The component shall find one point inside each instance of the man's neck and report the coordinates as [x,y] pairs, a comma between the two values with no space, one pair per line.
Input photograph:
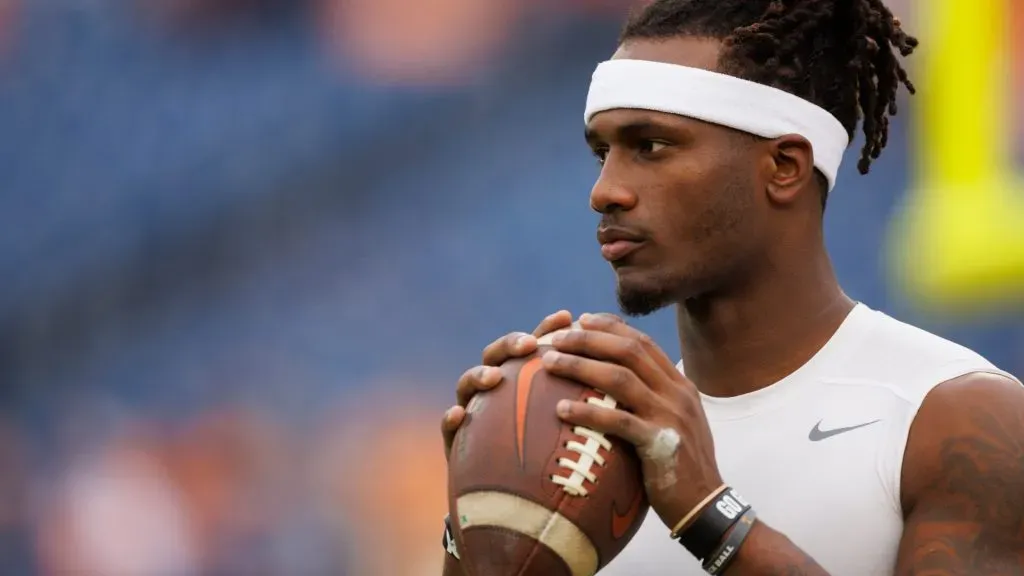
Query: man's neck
[736,344]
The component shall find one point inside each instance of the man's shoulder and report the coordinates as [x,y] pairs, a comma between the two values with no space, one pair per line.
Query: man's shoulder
[964,445]
[906,359]
[907,343]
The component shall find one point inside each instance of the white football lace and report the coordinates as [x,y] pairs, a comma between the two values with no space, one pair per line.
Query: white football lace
[581,468]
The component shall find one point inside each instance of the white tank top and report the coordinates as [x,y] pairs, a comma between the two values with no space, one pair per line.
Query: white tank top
[836,495]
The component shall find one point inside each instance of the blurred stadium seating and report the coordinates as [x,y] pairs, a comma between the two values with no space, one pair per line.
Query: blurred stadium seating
[239,238]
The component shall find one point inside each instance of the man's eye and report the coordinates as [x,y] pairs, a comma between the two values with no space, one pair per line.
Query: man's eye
[651,146]
[600,154]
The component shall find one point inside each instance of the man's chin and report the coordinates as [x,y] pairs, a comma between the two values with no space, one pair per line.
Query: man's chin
[638,300]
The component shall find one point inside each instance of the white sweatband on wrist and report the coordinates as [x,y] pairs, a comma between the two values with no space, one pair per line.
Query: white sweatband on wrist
[719,99]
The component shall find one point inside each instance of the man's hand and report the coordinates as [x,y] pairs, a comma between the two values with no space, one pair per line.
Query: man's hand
[487,376]
[665,420]
[663,416]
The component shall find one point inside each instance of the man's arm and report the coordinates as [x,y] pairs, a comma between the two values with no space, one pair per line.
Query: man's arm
[768,552]
[963,481]
[962,487]
[962,491]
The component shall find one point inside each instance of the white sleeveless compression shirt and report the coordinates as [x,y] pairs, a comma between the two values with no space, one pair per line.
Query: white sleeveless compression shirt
[819,453]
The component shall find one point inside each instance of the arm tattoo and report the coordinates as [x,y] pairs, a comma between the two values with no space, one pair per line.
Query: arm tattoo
[971,520]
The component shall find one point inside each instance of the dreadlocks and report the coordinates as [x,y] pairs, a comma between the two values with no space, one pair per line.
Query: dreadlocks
[838,54]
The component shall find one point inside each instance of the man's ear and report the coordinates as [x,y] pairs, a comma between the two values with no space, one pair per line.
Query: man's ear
[791,168]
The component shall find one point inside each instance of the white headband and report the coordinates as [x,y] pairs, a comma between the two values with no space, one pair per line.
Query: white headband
[719,99]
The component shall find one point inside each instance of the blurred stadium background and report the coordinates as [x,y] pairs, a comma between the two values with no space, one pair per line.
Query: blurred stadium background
[247,246]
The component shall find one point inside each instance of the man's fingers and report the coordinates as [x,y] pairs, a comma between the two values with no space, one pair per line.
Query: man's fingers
[450,423]
[612,421]
[520,344]
[514,345]
[556,321]
[487,376]
[614,325]
[474,380]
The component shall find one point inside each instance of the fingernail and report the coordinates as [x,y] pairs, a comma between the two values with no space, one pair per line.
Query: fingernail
[522,340]
[588,317]
[491,376]
[484,374]
[563,407]
[551,357]
[448,414]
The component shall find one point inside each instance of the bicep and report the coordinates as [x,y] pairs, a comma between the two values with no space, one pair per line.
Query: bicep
[964,481]
[955,540]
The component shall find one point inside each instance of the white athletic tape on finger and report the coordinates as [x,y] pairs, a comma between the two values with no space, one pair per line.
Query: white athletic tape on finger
[719,99]
[661,453]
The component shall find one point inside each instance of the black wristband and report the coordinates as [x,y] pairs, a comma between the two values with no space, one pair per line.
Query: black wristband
[448,541]
[705,533]
[720,560]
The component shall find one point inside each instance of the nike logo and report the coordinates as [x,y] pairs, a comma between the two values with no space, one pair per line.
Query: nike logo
[817,434]
[621,523]
[523,384]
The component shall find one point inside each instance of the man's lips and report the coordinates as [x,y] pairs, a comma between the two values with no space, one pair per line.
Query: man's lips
[617,243]
[619,249]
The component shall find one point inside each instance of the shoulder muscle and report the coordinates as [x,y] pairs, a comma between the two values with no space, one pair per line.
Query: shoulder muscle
[963,480]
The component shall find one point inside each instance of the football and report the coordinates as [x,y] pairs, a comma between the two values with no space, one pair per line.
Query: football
[530,495]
